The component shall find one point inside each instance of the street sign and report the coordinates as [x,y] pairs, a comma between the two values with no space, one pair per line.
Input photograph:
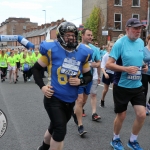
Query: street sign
[105,33]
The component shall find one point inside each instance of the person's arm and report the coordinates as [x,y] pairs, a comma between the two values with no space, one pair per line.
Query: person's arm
[87,77]
[95,64]
[38,66]
[112,66]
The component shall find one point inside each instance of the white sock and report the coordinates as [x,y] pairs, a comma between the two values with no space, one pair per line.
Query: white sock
[133,137]
[116,136]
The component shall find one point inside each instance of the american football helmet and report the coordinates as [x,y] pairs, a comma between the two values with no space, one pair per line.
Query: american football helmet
[62,29]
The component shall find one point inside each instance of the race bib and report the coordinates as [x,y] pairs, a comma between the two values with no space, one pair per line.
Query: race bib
[2,63]
[136,76]
[109,71]
[70,67]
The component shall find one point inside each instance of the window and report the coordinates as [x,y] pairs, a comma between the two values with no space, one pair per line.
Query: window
[118,22]
[118,2]
[135,16]
[135,2]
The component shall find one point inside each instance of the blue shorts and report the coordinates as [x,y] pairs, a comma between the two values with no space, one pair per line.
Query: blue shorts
[85,89]
[109,80]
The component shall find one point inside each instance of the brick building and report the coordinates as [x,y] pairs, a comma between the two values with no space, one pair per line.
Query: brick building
[31,31]
[116,13]
[45,31]
[15,26]
[120,11]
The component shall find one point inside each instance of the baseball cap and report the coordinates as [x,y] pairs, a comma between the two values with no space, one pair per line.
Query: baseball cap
[133,22]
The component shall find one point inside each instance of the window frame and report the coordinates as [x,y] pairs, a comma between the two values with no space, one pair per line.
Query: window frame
[136,6]
[119,4]
[137,15]
[118,21]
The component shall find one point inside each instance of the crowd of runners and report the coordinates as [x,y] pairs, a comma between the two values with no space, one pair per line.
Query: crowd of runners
[79,68]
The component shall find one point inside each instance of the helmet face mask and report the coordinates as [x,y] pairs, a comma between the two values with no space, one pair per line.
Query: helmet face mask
[67,42]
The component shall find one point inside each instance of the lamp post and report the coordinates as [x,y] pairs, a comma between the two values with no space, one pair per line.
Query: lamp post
[45,23]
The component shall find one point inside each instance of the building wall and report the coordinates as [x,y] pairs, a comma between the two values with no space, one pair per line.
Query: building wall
[53,34]
[15,26]
[126,10]
[88,5]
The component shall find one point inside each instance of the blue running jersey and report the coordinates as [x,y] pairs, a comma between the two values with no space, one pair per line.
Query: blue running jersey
[96,54]
[60,59]
[128,53]
[147,59]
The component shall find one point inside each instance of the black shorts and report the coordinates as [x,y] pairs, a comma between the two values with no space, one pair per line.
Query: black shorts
[122,96]
[109,80]
[59,113]
[18,65]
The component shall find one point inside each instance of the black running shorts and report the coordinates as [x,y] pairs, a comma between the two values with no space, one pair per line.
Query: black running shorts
[122,96]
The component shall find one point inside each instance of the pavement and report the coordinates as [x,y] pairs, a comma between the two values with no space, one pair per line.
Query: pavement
[27,121]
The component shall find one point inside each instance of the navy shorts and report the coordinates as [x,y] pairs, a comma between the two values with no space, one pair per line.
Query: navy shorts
[109,80]
[85,89]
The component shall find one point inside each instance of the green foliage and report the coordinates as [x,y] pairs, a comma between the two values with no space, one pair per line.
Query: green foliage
[79,36]
[93,21]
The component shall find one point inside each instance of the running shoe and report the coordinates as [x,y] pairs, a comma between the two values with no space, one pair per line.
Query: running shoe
[95,117]
[81,130]
[83,113]
[134,145]
[117,144]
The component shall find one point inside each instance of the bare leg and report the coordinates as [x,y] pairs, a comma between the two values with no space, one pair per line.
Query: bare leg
[93,102]
[104,92]
[47,137]
[54,145]
[118,122]
[80,102]
[10,73]
[140,118]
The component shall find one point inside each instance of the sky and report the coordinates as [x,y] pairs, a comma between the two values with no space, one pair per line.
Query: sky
[70,10]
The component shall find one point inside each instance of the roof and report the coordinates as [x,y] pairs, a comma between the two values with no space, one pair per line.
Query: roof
[38,32]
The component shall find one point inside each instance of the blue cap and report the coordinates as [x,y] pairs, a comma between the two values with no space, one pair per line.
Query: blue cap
[133,22]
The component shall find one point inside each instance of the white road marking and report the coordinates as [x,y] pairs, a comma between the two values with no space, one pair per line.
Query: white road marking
[103,85]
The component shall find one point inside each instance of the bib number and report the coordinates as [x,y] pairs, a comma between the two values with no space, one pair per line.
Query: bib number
[70,67]
[2,63]
[136,76]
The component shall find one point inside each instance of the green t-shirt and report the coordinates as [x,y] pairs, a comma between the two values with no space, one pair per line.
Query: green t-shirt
[12,61]
[23,61]
[35,58]
[3,61]
[17,57]
[30,60]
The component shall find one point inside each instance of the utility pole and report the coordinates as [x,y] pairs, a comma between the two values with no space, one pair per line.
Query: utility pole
[148,18]
[45,23]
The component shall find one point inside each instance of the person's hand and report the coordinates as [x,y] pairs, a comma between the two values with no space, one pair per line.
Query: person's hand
[106,76]
[99,80]
[74,81]
[145,68]
[131,69]
[47,91]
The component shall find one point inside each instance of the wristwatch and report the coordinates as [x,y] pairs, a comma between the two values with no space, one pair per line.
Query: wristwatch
[81,81]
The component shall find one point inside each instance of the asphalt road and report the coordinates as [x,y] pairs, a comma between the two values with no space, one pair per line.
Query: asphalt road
[27,121]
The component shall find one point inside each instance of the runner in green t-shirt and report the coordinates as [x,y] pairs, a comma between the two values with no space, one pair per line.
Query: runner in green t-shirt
[17,57]
[3,65]
[12,67]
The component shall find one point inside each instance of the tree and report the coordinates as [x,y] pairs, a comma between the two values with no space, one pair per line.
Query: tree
[94,23]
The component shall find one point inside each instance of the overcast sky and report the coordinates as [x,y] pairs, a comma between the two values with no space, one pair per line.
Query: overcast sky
[70,10]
